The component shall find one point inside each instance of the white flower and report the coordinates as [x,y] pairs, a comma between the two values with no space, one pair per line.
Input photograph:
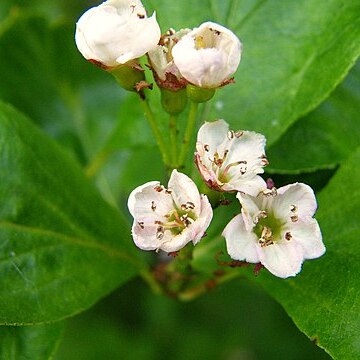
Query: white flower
[229,160]
[208,55]
[168,219]
[277,229]
[116,32]
[162,62]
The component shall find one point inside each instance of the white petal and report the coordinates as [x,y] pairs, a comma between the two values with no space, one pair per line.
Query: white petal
[161,57]
[203,221]
[250,208]
[298,195]
[142,36]
[250,145]
[150,204]
[308,235]
[116,31]
[210,65]
[251,186]
[214,135]
[131,199]
[184,190]
[283,259]
[158,59]
[241,244]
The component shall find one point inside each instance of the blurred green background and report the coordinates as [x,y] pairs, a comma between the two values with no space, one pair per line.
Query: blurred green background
[237,321]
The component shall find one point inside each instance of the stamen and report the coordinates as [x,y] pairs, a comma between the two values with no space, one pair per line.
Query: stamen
[294,218]
[140,16]
[293,208]
[270,192]
[226,170]
[262,214]
[160,233]
[239,134]
[153,206]
[158,188]
[217,32]
[170,32]
[230,134]
[141,224]
[188,206]
[266,237]
[206,147]
[200,43]
[288,236]
[264,160]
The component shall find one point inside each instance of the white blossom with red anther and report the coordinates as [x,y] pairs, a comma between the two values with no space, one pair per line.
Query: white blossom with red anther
[168,219]
[230,160]
[277,229]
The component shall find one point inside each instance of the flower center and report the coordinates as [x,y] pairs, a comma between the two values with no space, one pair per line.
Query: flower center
[177,220]
[222,171]
[268,228]
[200,43]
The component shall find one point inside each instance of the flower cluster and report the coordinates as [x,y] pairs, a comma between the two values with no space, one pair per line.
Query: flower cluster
[275,227]
[116,33]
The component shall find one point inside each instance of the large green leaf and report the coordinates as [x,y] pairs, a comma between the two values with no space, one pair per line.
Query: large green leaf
[295,53]
[45,77]
[325,137]
[37,342]
[324,300]
[61,246]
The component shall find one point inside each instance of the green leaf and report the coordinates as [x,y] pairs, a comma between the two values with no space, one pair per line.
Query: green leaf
[46,77]
[324,299]
[37,342]
[295,53]
[325,137]
[61,246]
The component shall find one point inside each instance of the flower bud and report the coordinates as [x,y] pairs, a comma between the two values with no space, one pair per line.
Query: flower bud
[115,32]
[208,55]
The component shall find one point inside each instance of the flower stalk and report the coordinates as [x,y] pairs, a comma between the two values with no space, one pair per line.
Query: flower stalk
[188,134]
[156,131]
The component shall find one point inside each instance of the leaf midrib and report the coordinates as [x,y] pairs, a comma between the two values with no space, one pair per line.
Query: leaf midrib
[72,240]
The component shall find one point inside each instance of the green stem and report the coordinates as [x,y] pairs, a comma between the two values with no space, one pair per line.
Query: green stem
[195,292]
[173,140]
[151,281]
[97,163]
[188,133]
[156,131]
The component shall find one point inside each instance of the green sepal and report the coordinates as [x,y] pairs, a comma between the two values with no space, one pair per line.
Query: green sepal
[173,102]
[128,75]
[199,95]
